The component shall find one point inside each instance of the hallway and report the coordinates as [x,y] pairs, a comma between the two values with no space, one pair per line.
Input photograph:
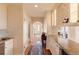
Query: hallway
[38,50]
[36,47]
[59,22]
[39,29]
[24,24]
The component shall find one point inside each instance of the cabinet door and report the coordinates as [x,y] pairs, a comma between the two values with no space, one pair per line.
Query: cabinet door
[3,16]
[9,50]
[9,47]
[55,48]
[52,45]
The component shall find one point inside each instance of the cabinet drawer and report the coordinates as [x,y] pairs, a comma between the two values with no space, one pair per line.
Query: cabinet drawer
[8,42]
[10,45]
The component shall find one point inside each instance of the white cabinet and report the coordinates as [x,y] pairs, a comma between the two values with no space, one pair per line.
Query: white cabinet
[9,47]
[52,45]
[55,48]
[3,16]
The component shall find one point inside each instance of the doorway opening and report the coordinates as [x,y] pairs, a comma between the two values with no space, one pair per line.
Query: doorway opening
[37,31]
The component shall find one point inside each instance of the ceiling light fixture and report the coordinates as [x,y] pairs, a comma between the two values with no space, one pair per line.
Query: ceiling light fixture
[36,6]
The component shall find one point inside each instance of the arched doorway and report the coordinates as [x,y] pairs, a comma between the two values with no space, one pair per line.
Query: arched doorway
[37,31]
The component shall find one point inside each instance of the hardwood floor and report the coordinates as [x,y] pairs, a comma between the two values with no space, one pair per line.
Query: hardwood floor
[47,52]
[36,49]
[44,52]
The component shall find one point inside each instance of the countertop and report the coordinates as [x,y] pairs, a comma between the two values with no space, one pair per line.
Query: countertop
[2,40]
[71,48]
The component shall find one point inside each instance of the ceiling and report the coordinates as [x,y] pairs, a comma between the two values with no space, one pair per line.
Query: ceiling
[40,11]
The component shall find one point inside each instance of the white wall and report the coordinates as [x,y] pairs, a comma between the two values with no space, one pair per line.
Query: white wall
[3,20]
[50,30]
[26,28]
[74,33]
[15,26]
[47,21]
[3,16]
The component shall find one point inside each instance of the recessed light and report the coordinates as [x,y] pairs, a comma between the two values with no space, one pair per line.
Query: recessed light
[35,5]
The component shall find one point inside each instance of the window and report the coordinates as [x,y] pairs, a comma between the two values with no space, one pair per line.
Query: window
[73,12]
[53,17]
[37,28]
[45,27]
